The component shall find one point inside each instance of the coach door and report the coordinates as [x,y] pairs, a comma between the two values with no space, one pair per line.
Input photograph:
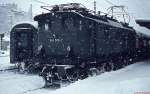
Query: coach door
[24,44]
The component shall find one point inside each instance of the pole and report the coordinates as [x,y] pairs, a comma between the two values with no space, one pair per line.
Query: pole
[1,43]
[94,7]
[11,21]
[1,38]
[31,15]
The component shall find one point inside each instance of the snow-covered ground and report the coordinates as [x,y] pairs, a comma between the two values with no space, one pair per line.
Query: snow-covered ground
[15,83]
[4,60]
[131,79]
[11,83]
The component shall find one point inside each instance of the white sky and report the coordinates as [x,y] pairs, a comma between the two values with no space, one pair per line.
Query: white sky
[136,8]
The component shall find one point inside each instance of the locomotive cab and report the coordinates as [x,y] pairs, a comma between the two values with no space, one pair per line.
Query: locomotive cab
[22,42]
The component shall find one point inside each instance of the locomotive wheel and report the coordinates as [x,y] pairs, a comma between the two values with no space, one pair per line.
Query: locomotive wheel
[118,65]
[126,62]
[107,67]
[94,72]
[33,68]
[30,68]
[74,77]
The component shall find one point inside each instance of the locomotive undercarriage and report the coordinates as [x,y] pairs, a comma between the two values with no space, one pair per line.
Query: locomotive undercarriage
[55,73]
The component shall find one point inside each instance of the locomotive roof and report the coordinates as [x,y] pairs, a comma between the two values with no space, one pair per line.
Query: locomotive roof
[99,19]
[25,25]
[142,35]
[34,24]
[145,23]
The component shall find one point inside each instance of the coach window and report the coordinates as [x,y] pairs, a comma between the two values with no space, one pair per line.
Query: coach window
[23,40]
[62,22]
[50,25]
[40,26]
[126,42]
[137,43]
[75,22]
[68,23]
[80,24]
[144,42]
[149,42]
[43,27]
[46,27]
[106,31]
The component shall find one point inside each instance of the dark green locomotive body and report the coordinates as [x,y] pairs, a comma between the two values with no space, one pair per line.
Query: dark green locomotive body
[86,35]
[64,31]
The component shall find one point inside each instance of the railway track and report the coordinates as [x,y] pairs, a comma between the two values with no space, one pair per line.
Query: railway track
[31,90]
[15,77]
[8,77]
[12,69]
[8,69]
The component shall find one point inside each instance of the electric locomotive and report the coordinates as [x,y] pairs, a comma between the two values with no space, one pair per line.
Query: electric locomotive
[73,32]
[70,41]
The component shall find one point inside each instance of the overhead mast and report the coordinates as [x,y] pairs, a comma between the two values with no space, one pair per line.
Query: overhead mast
[119,11]
[31,11]
[94,6]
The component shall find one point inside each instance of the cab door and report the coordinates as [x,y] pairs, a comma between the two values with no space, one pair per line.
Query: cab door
[24,45]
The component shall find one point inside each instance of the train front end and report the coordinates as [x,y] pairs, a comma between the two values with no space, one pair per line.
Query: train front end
[63,37]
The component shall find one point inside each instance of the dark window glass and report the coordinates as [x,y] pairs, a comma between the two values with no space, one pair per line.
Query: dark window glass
[23,40]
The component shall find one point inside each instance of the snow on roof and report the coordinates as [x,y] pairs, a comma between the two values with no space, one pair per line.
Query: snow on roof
[143,20]
[142,30]
[33,23]
[110,22]
[78,13]
[116,24]
[144,23]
